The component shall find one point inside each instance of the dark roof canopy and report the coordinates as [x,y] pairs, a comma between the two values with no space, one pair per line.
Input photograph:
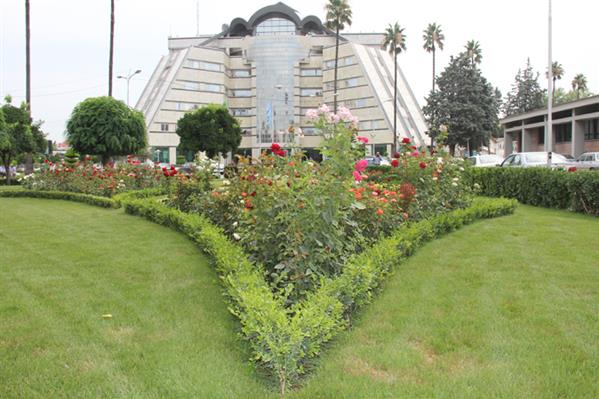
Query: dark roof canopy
[241,27]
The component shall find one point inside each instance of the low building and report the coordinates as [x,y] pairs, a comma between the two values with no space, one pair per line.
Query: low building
[271,69]
[575,129]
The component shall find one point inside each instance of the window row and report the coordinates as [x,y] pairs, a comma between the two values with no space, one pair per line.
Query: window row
[357,103]
[372,125]
[345,61]
[312,92]
[198,86]
[591,129]
[346,83]
[311,72]
[208,66]
[241,111]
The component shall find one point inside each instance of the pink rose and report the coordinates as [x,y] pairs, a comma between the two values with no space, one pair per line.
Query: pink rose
[362,139]
[361,165]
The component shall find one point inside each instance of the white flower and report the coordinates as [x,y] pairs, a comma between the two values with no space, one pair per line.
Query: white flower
[461,168]
[236,236]
[226,182]
[435,178]
[235,224]
[456,179]
[454,184]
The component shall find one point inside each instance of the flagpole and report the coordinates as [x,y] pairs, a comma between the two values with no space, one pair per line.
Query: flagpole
[549,129]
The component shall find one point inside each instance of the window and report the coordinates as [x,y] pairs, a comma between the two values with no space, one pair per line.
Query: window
[276,27]
[311,72]
[316,50]
[541,137]
[311,92]
[160,154]
[381,149]
[563,133]
[353,82]
[358,103]
[214,88]
[235,52]
[241,93]
[369,125]
[191,86]
[209,66]
[345,61]
[241,73]
[591,129]
[164,127]
[329,86]
[185,106]
[309,131]
[241,111]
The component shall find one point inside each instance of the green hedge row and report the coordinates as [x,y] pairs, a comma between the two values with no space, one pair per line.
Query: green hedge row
[60,195]
[577,191]
[284,339]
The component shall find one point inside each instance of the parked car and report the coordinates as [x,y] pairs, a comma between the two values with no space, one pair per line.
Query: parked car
[485,161]
[371,162]
[588,160]
[531,159]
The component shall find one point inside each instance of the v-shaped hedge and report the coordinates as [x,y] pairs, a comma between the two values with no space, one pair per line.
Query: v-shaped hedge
[281,338]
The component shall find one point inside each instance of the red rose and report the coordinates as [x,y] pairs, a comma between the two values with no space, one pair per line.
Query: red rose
[396,155]
[275,147]
[422,165]
[406,140]
[395,163]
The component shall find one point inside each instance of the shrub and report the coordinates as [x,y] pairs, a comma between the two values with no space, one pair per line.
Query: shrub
[577,191]
[59,195]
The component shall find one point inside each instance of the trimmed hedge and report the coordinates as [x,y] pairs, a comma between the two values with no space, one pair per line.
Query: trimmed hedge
[577,191]
[284,339]
[60,195]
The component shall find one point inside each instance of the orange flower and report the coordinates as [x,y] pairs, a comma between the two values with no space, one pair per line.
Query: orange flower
[379,211]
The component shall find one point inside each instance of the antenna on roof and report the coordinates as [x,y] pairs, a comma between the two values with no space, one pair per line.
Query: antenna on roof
[197,17]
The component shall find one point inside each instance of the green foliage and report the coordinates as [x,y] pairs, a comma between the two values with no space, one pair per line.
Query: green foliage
[465,102]
[577,191]
[71,158]
[526,93]
[211,129]
[338,14]
[59,195]
[107,127]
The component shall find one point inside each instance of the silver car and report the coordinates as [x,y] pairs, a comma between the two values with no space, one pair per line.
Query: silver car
[588,160]
[531,159]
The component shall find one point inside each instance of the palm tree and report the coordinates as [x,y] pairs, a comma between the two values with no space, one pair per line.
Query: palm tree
[110,59]
[579,83]
[395,43]
[474,52]
[433,38]
[558,73]
[338,15]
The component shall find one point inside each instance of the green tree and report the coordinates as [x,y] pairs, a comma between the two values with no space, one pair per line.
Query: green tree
[395,43]
[16,138]
[474,52]
[338,15]
[211,129]
[466,103]
[579,84]
[526,93]
[106,127]
[557,71]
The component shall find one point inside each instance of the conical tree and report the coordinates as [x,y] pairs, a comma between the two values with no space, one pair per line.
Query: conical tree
[110,58]
[338,15]
[433,39]
[579,84]
[395,43]
[474,52]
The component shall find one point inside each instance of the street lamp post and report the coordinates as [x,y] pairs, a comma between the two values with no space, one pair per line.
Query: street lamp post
[128,78]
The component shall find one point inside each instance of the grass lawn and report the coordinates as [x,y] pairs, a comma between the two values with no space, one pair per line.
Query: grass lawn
[63,265]
[506,308]
[502,308]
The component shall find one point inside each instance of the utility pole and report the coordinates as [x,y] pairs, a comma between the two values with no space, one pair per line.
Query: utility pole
[549,128]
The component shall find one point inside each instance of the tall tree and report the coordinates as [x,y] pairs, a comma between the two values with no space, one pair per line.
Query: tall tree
[433,40]
[526,93]
[466,103]
[474,52]
[16,138]
[110,58]
[395,43]
[558,73]
[338,15]
[579,84]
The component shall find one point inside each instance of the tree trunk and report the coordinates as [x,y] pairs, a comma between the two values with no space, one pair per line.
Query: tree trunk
[110,59]
[336,65]
[395,103]
[106,159]
[7,169]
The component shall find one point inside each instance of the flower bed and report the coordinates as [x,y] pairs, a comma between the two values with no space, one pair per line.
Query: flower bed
[85,177]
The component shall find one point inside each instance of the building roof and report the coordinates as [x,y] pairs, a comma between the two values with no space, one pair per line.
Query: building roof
[556,108]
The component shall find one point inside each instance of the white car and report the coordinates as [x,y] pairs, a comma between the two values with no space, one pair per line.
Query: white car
[485,161]
[531,159]
[588,160]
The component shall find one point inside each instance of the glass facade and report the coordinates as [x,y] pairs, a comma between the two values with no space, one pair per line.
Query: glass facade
[591,129]
[276,27]
[275,58]
[160,154]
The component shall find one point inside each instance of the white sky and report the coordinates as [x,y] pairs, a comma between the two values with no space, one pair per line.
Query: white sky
[70,41]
